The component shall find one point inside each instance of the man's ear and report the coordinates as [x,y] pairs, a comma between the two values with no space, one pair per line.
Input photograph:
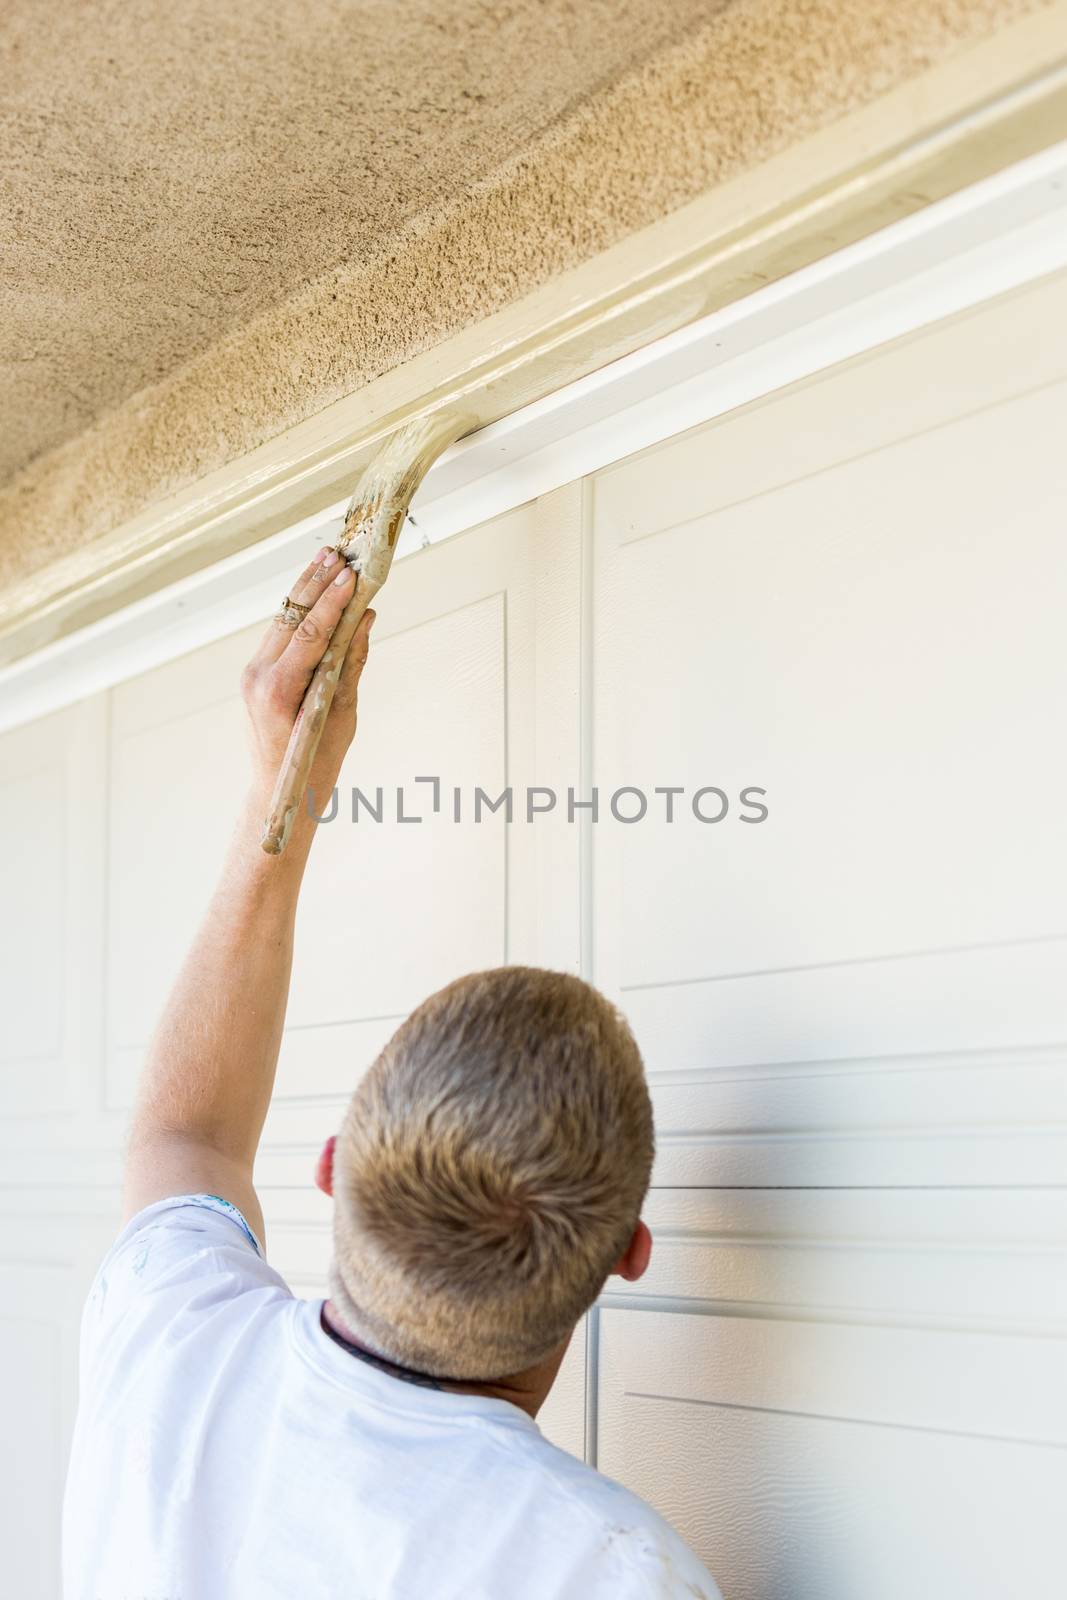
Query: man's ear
[633,1262]
[324,1168]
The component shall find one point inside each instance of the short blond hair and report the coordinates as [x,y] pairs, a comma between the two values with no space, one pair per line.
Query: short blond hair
[489,1173]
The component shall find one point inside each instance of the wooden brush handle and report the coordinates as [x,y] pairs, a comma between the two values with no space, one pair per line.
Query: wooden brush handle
[372,528]
[296,766]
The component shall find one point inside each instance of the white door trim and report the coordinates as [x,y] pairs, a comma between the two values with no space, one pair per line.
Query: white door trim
[986,240]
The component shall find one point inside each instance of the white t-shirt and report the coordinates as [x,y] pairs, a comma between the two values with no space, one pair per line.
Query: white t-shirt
[227,1449]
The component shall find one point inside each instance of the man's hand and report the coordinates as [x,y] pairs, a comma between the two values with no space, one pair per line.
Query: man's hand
[275,681]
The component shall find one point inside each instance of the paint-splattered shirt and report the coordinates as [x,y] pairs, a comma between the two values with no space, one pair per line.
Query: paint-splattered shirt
[227,1449]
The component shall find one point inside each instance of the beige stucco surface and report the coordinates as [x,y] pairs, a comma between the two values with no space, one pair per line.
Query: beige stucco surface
[221,219]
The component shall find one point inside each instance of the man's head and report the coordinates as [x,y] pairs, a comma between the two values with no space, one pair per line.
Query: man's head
[490,1173]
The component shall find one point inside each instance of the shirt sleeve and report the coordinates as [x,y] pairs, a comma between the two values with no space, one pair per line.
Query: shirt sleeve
[173,1262]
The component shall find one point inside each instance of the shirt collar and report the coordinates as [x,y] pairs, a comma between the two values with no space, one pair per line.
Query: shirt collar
[396,1393]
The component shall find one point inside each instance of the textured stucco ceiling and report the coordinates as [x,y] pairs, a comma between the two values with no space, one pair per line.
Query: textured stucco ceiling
[180,168]
[222,217]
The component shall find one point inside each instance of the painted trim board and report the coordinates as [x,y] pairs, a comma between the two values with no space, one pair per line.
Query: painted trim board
[996,236]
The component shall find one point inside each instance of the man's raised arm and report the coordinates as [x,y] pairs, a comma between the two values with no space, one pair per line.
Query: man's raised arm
[210,1069]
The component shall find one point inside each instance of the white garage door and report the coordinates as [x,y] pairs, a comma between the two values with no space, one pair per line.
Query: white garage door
[850,1378]
[843,1375]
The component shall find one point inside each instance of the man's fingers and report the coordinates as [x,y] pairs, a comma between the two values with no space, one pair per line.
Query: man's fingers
[279,673]
[308,641]
[315,578]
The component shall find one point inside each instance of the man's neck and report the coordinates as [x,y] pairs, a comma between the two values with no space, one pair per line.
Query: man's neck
[527,1389]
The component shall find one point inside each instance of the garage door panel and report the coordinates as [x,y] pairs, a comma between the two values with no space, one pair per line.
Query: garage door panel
[999,1123]
[944,1286]
[178,767]
[37,1361]
[53,818]
[960,1382]
[32,810]
[293,1136]
[562,1417]
[805,1160]
[784,1500]
[921,1265]
[855,646]
[330,1058]
[301,1251]
[434,705]
[886,1013]
[1008,1219]
[984,358]
[995,1091]
[928,1070]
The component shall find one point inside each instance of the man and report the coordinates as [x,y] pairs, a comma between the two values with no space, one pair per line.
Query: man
[235,1443]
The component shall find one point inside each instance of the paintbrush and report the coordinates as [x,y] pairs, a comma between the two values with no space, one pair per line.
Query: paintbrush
[368,541]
